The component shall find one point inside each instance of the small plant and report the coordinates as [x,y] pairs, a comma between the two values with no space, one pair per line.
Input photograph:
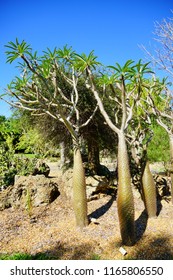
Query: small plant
[95,257]
[28,202]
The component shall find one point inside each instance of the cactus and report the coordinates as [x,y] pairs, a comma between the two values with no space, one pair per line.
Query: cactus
[149,192]
[79,190]
[125,202]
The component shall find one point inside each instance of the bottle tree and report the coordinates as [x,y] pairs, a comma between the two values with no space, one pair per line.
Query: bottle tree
[127,80]
[139,138]
[38,89]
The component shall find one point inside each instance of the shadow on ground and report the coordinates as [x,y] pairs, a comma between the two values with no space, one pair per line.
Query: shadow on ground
[61,251]
[141,222]
[149,248]
[141,225]
[102,210]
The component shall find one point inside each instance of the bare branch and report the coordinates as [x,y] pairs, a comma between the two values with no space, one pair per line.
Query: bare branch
[90,85]
[90,118]
[124,108]
[18,105]
[33,70]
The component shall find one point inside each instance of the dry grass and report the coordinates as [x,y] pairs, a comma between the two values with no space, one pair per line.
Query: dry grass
[52,231]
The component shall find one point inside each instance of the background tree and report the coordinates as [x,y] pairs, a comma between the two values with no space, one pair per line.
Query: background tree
[162,58]
[160,101]
[140,136]
[162,54]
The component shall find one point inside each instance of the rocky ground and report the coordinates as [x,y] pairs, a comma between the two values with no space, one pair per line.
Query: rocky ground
[51,230]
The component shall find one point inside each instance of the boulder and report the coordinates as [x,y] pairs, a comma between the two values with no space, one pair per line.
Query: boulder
[41,168]
[94,184]
[34,190]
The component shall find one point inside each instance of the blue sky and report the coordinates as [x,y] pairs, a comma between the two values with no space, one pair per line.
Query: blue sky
[113,29]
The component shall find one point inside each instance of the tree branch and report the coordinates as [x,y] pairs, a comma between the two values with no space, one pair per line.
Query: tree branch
[90,85]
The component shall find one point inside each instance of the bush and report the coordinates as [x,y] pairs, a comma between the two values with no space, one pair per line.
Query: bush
[158,148]
[11,165]
[7,170]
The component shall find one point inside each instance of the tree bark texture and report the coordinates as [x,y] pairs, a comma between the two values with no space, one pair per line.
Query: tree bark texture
[171,157]
[149,192]
[62,153]
[79,190]
[125,202]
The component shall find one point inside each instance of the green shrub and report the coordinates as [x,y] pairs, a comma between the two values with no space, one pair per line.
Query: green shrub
[11,165]
[7,170]
[158,148]
[23,256]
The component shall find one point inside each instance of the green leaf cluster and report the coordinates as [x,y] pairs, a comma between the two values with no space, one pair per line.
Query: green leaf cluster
[158,148]
[17,50]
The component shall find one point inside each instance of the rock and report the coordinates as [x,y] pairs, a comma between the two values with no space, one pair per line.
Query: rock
[41,168]
[39,190]
[94,184]
[34,190]
[5,198]
[66,183]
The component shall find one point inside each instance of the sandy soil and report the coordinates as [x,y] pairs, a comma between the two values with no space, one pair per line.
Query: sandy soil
[51,230]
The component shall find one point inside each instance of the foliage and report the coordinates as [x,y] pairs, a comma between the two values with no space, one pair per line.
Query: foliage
[95,257]
[38,256]
[24,256]
[33,142]
[158,148]
[7,170]
[9,132]
[11,165]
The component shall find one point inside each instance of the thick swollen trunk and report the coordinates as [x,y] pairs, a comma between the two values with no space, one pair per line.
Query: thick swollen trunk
[79,190]
[149,192]
[125,202]
[171,157]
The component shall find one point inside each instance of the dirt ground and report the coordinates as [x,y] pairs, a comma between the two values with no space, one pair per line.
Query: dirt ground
[51,230]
